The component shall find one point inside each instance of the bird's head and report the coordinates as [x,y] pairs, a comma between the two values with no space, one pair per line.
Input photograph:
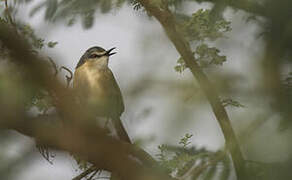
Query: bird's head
[96,55]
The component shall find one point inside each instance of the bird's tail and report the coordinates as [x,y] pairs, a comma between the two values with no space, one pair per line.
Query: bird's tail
[121,131]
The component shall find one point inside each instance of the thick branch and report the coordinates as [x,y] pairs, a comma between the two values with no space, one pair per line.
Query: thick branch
[91,144]
[167,20]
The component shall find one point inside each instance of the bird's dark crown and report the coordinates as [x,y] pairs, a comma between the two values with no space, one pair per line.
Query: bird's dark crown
[95,49]
[87,54]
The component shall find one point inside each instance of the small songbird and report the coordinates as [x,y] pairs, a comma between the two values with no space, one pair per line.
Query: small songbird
[97,89]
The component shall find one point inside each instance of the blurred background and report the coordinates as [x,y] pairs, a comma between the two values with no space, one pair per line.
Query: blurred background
[247,57]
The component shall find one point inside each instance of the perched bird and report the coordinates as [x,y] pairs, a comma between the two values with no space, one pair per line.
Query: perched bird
[97,89]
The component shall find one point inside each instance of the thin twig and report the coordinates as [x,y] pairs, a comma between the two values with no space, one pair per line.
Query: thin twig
[196,170]
[68,78]
[54,66]
[44,151]
[85,173]
[8,14]
[95,172]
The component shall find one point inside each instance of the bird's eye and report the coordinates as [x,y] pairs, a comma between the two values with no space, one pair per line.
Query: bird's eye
[94,56]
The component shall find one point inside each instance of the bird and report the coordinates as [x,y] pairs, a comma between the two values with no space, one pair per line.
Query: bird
[97,89]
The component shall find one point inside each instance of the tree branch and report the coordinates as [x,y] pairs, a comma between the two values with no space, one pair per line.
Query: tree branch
[167,20]
[90,144]
[85,173]
[197,170]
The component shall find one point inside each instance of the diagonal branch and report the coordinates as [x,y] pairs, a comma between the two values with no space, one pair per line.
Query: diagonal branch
[91,144]
[197,170]
[167,20]
[85,173]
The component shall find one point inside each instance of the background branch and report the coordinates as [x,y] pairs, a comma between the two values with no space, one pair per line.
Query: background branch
[90,170]
[167,20]
[9,16]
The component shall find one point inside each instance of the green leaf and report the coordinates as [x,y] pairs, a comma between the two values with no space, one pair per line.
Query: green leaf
[201,27]
[181,65]
[52,44]
[71,21]
[230,102]
[185,141]
[209,55]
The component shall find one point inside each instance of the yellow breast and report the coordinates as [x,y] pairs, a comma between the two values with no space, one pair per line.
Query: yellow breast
[90,76]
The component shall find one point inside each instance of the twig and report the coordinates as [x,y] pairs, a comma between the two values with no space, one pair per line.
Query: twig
[68,78]
[54,66]
[85,173]
[44,151]
[196,170]
[8,14]
[94,174]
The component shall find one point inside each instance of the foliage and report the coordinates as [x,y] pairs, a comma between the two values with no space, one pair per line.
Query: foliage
[136,5]
[181,65]
[28,32]
[180,161]
[202,27]
[52,44]
[75,9]
[205,55]
[185,141]
[231,102]
[209,55]
[86,10]
[83,165]
[40,99]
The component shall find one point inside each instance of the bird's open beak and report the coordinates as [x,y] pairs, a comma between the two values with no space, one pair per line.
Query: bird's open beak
[108,52]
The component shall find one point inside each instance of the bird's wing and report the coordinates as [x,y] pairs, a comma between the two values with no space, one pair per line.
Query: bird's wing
[80,84]
[115,93]
[117,102]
